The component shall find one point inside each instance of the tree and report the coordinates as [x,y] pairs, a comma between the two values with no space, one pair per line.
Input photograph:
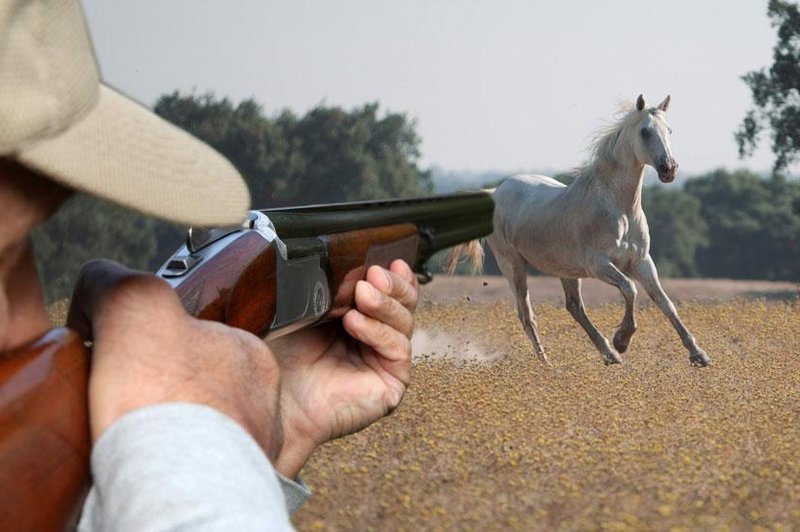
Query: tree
[355,155]
[753,230]
[327,155]
[86,228]
[254,144]
[677,230]
[775,92]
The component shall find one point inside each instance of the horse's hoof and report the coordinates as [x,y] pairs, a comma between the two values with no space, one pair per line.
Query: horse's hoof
[612,358]
[699,359]
[621,344]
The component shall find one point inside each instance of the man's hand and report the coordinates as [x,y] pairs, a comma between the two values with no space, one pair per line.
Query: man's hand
[340,377]
[147,351]
[336,379]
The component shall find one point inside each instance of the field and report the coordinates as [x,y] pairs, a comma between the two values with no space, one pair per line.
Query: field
[489,439]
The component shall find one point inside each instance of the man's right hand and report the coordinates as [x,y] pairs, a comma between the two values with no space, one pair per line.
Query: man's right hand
[148,350]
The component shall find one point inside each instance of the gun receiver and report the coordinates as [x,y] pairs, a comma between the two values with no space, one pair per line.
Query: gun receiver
[290,267]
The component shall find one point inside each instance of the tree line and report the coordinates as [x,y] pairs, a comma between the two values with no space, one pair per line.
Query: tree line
[327,155]
[723,224]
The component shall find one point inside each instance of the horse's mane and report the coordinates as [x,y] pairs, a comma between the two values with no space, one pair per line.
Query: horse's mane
[603,142]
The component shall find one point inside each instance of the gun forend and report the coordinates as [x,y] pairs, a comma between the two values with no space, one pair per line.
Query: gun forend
[288,268]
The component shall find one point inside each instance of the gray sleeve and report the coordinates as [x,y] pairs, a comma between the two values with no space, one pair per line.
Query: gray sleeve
[181,466]
[296,492]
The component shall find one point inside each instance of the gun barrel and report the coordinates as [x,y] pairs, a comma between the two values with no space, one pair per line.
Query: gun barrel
[443,221]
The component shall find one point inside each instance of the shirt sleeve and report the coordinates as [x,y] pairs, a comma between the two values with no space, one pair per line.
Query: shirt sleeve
[296,492]
[182,466]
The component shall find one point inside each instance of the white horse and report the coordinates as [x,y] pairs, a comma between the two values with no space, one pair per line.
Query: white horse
[594,227]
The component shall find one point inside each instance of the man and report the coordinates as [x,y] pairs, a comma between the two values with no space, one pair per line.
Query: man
[190,419]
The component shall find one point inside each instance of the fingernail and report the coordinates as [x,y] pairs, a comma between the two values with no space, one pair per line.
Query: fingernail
[388,281]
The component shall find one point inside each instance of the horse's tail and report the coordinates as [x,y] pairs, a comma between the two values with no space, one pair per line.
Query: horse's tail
[474,253]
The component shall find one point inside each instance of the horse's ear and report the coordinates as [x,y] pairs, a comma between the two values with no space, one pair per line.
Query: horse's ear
[639,103]
[665,104]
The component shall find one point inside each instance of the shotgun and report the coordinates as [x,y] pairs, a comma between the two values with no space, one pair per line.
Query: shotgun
[282,270]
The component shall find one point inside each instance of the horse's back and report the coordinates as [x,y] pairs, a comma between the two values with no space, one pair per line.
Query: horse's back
[523,192]
[535,217]
[533,180]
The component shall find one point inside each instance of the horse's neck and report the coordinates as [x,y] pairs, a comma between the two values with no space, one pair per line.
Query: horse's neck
[621,178]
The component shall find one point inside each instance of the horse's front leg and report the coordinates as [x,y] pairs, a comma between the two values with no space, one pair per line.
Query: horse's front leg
[645,272]
[572,295]
[607,272]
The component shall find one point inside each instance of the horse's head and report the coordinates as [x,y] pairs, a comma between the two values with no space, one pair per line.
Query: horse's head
[651,143]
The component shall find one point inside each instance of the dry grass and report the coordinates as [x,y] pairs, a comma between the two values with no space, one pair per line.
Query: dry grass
[489,439]
[510,444]
[57,312]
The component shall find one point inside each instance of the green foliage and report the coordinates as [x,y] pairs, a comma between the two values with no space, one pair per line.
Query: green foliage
[775,91]
[254,144]
[677,230]
[328,155]
[754,232]
[720,225]
[86,228]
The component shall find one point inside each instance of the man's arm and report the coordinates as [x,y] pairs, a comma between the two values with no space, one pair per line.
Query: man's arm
[181,466]
[184,413]
[142,361]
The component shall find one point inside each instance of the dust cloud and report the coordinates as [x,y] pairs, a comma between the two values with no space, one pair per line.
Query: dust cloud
[429,344]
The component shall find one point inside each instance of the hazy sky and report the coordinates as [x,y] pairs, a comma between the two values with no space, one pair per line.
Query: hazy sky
[493,85]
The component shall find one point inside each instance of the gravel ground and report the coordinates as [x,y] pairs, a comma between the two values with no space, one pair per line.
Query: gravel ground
[548,290]
[489,439]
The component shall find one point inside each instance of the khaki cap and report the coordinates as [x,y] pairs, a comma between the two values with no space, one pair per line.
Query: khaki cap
[57,118]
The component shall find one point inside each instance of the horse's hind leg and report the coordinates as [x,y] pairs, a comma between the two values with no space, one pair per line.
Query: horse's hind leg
[622,337]
[645,272]
[515,271]
[572,294]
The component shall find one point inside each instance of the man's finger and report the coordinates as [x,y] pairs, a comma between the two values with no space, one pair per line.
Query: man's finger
[105,284]
[391,345]
[95,280]
[398,283]
[411,285]
[373,302]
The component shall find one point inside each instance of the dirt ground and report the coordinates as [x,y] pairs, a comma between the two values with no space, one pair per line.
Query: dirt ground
[548,290]
[488,438]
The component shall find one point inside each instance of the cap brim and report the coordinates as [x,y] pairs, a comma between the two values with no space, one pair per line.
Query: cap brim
[123,152]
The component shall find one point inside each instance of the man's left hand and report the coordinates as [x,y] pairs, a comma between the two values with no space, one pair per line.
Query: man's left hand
[340,377]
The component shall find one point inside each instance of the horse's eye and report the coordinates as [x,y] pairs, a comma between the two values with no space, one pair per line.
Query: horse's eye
[645,133]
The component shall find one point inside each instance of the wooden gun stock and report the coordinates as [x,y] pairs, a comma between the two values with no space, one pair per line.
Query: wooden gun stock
[290,268]
[44,449]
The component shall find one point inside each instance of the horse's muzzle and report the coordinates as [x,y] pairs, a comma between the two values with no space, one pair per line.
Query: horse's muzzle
[666,171]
